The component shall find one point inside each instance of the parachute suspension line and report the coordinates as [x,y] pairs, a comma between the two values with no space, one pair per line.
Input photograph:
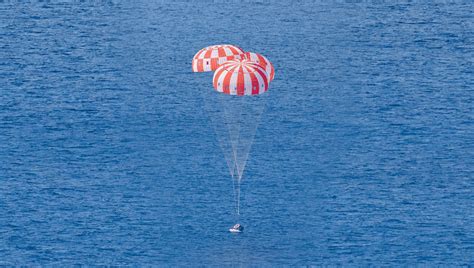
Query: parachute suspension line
[222,129]
[242,117]
[233,142]
[222,144]
[238,135]
[238,200]
[252,113]
[235,153]
[233,116]
[233,126]
[235,120]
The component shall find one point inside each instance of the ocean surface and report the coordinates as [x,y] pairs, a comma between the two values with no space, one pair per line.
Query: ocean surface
[364,154]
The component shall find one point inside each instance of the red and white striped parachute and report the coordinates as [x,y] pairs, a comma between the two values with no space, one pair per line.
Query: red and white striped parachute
[241,77]
[211,57]
[236,72]
[260,59]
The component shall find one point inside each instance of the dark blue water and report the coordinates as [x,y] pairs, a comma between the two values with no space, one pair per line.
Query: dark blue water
[365,154]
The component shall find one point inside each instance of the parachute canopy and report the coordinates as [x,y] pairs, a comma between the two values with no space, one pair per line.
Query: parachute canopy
[211,57]
[240,77]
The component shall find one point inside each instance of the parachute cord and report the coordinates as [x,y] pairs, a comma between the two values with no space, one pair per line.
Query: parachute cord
[236,149]
[239,122]
[231,163]
[239,175]
[240,172]
[238,200]
[234,135]
[236,190]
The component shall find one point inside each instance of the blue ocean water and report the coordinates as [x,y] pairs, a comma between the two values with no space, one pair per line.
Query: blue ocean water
[364,156]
